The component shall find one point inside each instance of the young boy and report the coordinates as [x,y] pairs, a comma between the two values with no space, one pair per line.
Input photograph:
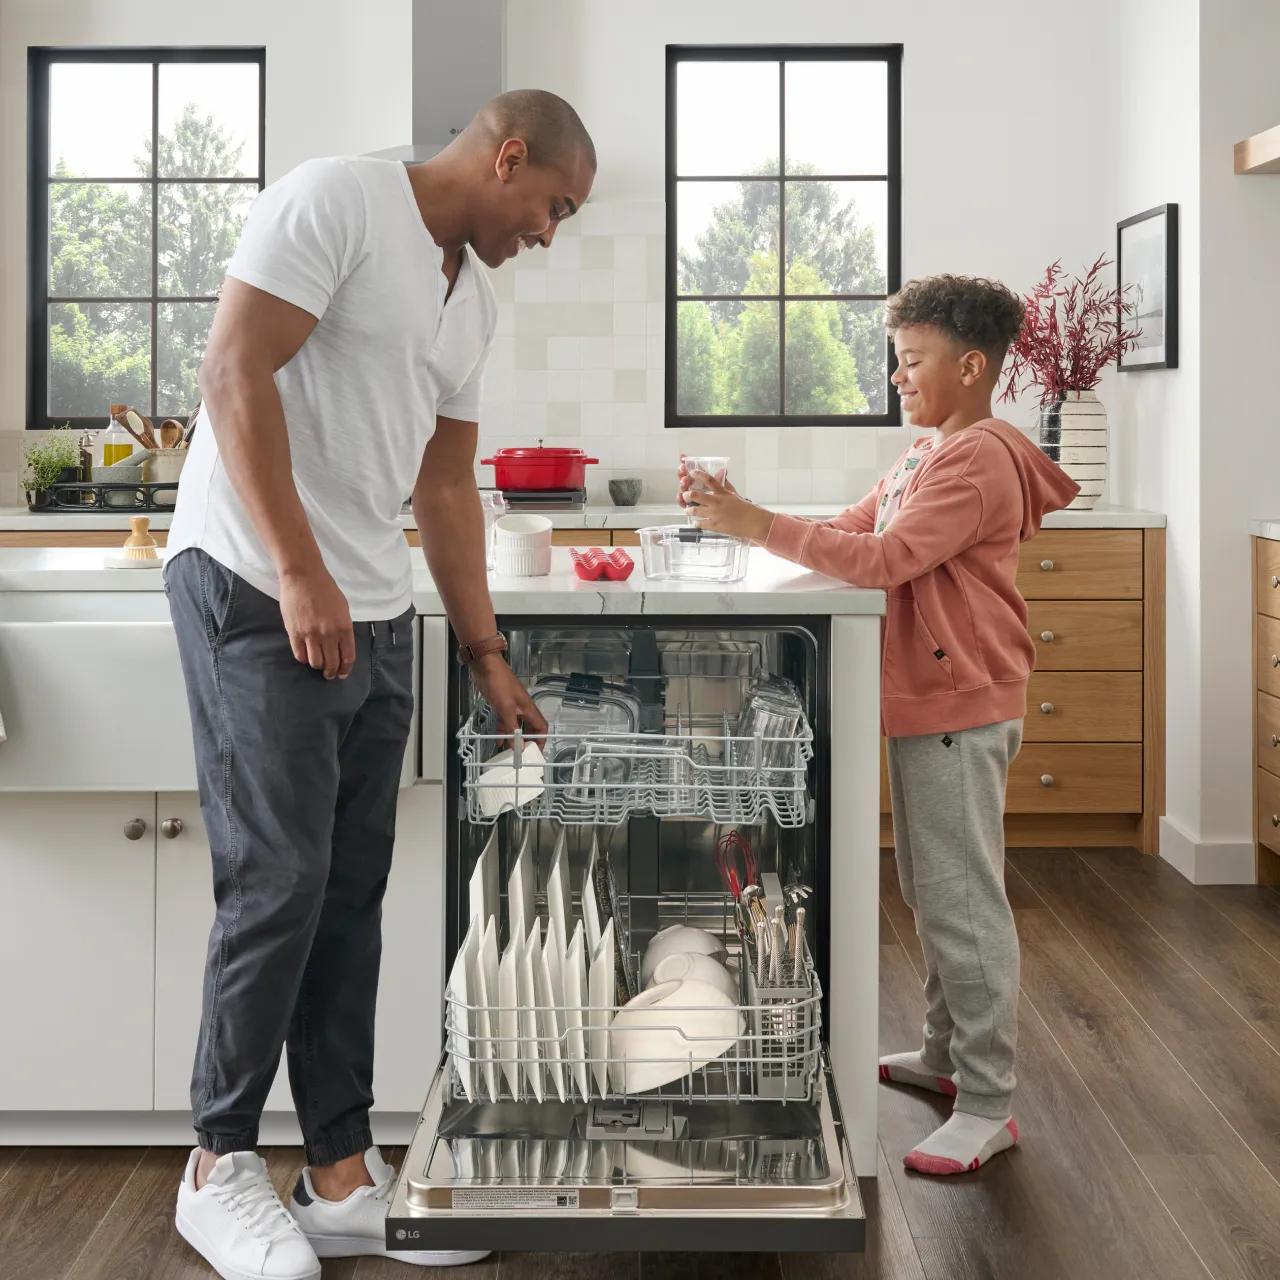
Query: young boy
[940,535]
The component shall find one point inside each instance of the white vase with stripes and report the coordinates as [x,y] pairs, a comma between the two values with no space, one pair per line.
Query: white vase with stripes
[1073,432]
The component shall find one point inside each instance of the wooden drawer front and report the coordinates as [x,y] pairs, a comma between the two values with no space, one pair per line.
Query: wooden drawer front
[1095,635]
[1083,778]
[1083,564]
[1269,733]
[1084,706]
[580,538]
[1268,587]
[1268,809]
[626,538]
[1269,655]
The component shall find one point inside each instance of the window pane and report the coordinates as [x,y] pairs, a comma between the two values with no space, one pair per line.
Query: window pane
[99,239]
[727,358]
[100,119]
[837,237]
[727,118]
[199,224]
[208,119]
[727,237]
[835,357]
[180,341]
[837,117]
[99,354]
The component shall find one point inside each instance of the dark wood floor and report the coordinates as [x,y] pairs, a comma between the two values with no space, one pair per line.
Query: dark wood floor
[1149,1104]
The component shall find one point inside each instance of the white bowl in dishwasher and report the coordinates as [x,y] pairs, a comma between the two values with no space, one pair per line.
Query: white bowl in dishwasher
[681,966]
[676,939]
[669,1032]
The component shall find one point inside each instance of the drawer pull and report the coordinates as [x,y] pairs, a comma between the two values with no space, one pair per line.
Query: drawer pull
[1046,780]
[1275,739]
[1046,566]
[171,828]
[1275,659]
[1275,582]
[1047,637]
[1046,708]
[1275,819]
[135,829]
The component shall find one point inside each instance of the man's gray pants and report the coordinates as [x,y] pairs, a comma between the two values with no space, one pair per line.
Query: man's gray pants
[298,779]
[948,793]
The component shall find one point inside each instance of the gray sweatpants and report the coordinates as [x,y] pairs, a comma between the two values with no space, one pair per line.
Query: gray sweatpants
[948,794]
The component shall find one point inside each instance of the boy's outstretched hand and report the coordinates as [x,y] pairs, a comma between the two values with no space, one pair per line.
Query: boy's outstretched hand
[717,505]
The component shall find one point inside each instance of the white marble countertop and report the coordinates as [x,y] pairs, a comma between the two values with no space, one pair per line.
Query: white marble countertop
[597,516]
[1265,529]
[772,587]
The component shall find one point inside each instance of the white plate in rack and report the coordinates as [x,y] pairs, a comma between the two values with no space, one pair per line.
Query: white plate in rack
[509,1046]
[527,984]
[601,993]
[460,1023]
[575,992]
[551,1007]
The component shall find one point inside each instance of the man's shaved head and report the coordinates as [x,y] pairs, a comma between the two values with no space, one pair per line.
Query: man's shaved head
[551,129]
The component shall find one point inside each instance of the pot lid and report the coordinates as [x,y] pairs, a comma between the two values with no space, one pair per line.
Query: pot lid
[539,452]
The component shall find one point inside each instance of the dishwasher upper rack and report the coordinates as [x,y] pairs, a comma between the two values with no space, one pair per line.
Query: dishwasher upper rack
[776,1059]
[696,767]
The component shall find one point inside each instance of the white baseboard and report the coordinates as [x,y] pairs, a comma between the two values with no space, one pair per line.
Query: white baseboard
[1224,862]
[166,1129]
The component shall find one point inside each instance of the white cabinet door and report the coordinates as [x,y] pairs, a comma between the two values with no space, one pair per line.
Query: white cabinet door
[411,987]
[184,916]
[409,994]
[93,706]
[76,951]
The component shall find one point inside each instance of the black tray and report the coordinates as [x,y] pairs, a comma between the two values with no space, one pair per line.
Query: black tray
[80,496]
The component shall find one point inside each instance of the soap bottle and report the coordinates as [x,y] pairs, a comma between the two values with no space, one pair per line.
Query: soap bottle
[87,443]
[116,443]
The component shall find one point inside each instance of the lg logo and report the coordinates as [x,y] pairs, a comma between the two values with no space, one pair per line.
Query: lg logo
[402,1234]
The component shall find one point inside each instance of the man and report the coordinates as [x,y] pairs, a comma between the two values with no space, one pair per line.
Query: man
[342,373]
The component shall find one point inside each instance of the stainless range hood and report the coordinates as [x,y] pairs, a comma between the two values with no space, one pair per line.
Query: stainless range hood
[458,65]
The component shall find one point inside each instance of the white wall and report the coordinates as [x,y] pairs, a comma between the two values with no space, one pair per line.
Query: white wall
[1156,415]
[1239,440]
[1006,128]
[337,82]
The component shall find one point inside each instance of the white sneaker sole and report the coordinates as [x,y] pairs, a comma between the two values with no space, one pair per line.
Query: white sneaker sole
[366,1247]
[196,1239]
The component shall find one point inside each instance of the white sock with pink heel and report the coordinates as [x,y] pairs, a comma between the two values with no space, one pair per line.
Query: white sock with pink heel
[910,1068]
[963,1144]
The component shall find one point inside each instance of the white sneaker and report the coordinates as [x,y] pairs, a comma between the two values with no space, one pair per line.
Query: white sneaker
[356,1226]
[238,1224]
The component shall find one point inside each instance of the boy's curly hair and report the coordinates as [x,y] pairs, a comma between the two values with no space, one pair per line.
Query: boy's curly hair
[984,314]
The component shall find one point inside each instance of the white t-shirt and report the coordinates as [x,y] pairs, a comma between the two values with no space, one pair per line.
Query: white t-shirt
[344,239]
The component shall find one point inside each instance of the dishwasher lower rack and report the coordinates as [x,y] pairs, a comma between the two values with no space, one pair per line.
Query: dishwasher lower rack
[564,1053]
[698,767]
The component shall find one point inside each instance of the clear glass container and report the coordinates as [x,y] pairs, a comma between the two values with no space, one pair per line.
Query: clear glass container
[493,505]
[680,553]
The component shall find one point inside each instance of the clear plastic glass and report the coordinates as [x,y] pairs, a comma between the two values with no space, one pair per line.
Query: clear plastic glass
[493,505]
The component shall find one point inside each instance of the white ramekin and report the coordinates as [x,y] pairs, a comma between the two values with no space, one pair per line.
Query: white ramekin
[522,545]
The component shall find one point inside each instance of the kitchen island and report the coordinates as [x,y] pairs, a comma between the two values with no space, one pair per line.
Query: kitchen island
[107,870]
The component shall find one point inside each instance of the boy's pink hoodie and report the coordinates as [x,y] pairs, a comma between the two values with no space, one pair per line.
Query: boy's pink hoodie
[956,652]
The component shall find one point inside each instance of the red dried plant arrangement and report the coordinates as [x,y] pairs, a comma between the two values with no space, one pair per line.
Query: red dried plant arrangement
[1070,333]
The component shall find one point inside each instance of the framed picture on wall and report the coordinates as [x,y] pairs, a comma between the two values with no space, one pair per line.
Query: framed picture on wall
[1147,267]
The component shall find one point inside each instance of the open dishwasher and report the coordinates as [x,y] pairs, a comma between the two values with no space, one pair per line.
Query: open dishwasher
[682,763]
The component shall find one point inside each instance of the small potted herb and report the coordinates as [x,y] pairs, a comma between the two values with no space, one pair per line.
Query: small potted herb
[54,459]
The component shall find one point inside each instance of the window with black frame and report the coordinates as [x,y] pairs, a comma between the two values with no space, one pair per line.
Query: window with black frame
[783,231]
[143,164]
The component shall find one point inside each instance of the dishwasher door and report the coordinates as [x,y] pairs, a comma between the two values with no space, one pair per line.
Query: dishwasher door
[751,1177]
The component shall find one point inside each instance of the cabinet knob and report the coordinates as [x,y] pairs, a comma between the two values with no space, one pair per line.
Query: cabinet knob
[171,828]
[1275,582]
[1275,819]
[1275,659]
[1046,566]
[1046,708]
[1046,779]
[135,829]
[1047,637]
[1275,739]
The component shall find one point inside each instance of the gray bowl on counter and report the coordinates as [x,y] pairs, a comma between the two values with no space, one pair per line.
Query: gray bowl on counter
[625,493]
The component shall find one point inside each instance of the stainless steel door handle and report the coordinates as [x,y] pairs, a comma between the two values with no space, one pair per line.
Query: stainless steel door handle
[1047,637]
[1046,708]
[1046,779]
[171,828]
[135,829]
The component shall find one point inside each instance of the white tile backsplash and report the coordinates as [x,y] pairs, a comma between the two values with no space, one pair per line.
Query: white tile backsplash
[579,353]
